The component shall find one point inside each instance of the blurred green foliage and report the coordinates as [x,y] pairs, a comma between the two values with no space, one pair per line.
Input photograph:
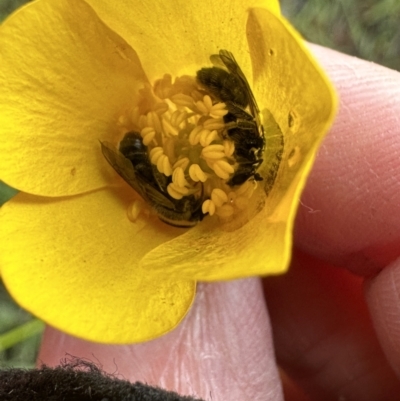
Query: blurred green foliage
[6,193]
[8,6]
[24,353]
[368,29]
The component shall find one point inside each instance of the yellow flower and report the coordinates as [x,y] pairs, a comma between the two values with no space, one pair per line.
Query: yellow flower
[68,252]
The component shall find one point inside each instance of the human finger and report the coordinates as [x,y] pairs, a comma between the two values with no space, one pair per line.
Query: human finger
[222,350]
[324,337]
[347,218]
[349,209]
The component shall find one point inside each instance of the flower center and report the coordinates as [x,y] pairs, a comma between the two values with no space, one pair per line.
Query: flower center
[192,146]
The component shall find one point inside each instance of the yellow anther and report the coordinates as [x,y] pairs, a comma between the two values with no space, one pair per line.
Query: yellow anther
[178,117]
[197,174]
[182,126]
[163,86]
[194,136]
[208,207]
[183,162]
[222,169]
[218,110]
[219,197]
[201,108]
[164,166]
[207,102]
[177,192]
[123,121]
[155,154]
[148,134]
[214,123]
[134,209]
[183,100]
[178,177]
[229,148]
[214,152]
[207,136]
[168,128]
[173,193]
[167,169]
[153,120]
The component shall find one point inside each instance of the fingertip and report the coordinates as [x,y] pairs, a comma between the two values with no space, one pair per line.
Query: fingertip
[223,348]
[349,210]
[382,294]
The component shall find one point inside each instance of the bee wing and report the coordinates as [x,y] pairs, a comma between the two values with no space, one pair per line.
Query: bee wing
[120,164]
[216,61]
[230,63]
[125,169]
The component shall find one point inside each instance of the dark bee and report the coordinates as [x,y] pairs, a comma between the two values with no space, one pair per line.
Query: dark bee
[132,163]
[230,86]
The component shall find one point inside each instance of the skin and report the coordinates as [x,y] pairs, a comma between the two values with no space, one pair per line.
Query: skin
[335,317]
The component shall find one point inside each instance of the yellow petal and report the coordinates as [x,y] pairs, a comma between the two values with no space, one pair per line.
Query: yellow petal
[294,88]
[179,36]
[290,84]
[65,77]
[73,262]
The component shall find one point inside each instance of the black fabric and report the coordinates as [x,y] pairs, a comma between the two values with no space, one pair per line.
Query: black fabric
[76,381]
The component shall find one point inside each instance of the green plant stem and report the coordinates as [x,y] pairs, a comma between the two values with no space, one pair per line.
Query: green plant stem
[20,333]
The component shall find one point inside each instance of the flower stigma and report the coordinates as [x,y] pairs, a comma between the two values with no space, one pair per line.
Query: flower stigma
[192,146]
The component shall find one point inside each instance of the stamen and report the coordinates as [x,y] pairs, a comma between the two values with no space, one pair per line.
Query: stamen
[214,152]
[207,136]
[207,102]
[173,192]
[168,128]
[229,148]
[183,162]
[194,137]
[184,130]
[123,121]
[134,209]
[164,166]
[223,169]
[178,192]
[183,100]
[202,108]
[214,123]
[178,177]
[155,154]
[208,206]
[219,197]
[160,108]
[153,120]
[162,87]
[148,135]
[197,174]
[218,110]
